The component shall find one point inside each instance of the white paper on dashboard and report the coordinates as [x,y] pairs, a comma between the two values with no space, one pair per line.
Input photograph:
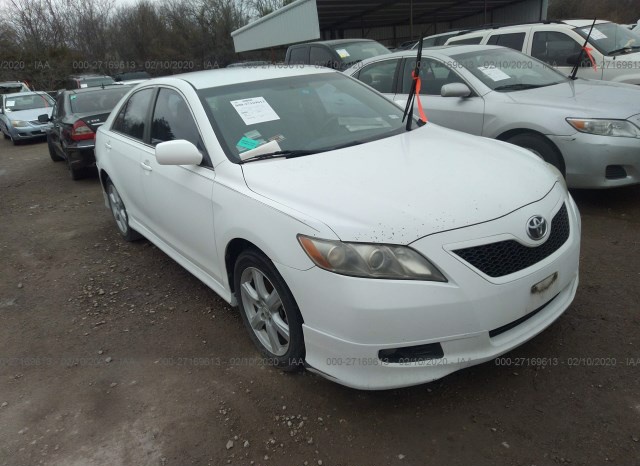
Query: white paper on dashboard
[596,34]
[343,53]
[82,86]
[254,110]
[10,103]
[268,148]
[495,74]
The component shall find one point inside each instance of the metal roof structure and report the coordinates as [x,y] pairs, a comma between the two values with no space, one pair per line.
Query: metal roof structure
[390,20]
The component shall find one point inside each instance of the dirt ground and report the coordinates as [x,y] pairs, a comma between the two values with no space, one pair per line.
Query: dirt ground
[112,354]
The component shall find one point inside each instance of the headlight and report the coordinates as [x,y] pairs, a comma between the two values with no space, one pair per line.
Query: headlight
[370,260]
[616,128]
[19,123]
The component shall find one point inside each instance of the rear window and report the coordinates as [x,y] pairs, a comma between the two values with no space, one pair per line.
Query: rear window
[299,55]
[470,41]
[100,101]
[514,41]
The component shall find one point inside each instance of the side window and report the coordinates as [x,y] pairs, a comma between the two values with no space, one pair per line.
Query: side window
[299,56]
[433,74]
[132,117]
[470,41]
[380,75]
[430,42]
[172,119]
[513,41]
[554,48]
[320,56]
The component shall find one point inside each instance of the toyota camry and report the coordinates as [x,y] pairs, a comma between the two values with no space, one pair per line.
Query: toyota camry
[375,252]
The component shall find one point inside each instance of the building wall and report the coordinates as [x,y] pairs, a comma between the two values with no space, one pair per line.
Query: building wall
[522,12]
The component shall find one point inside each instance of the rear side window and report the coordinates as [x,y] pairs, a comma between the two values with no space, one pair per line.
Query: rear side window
[132,117]
[470,41]
[380,75]
[172,119]
[554,48]
[299,55]
[514,41]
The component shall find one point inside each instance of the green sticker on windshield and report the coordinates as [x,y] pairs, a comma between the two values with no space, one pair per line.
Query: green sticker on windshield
[247,143]
[73,97]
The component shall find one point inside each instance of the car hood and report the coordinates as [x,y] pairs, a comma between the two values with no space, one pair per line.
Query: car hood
[399,189]
[591,98]
[29,115]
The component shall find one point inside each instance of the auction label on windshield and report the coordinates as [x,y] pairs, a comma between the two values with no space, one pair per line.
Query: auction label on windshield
[254,110]
[496,74]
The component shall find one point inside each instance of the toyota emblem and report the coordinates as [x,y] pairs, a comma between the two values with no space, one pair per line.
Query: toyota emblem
[537,227]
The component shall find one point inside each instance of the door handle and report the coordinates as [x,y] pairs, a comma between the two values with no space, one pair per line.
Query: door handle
[145,166]
[107,146]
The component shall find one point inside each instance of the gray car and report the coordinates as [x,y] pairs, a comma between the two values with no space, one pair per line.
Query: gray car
[19,115]
[588,129]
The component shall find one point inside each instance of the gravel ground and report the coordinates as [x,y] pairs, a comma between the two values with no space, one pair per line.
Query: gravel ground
[112,354]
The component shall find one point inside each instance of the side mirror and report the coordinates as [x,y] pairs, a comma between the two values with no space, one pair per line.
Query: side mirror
[44,118]
[455,90]
[178,152]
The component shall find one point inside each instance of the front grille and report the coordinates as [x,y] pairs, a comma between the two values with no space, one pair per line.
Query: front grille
[615,172]
[507,257]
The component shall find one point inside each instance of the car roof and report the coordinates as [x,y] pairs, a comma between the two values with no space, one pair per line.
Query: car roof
[442,51]
[88,76]
[570,23]
[339,41]
[239,75]
[86,90]
[20,94]
[10,83]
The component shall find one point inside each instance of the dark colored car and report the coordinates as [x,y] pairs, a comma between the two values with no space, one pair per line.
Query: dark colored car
[76,116]
[336,54]
[82,81]
[131,75]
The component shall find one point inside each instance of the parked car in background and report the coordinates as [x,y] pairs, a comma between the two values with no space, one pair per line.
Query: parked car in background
[438,39]
[336,54]
[19,115]
[13,87]
[88,80]
[615,49]
[75,118]
[300,196]
[589,130]
[126,76]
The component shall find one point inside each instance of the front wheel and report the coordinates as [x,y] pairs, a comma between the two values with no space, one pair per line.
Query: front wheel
[119,212]
[541,147]
[269,310]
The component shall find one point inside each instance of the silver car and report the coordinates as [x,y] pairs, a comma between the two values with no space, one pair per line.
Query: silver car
[590,130]
[19,115]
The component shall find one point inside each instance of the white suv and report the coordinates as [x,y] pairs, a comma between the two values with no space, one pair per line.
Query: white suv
[615,49]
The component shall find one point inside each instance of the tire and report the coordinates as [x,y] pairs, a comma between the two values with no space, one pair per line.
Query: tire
[6,136]
[52,152]
[119,212]
[77,173]
[542,147]
[268,325]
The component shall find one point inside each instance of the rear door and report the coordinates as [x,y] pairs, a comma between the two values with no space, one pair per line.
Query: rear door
[125,145]
[463,114]
[178,197]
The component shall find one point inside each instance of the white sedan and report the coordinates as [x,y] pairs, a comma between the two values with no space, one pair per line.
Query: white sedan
[374,255]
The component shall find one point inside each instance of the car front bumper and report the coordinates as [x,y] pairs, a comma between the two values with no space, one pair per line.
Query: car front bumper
[348,321]
[28,132]
[599,161]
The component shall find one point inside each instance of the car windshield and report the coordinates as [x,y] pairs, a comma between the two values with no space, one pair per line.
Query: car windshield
[315,112]
[506,70]
[358,51]
[610,38]
[18,102]
[99,101]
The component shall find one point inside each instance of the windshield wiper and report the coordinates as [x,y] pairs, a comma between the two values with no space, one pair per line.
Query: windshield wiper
[518,87]
[622,50]
[415,89]
[281,154]
[574,70]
